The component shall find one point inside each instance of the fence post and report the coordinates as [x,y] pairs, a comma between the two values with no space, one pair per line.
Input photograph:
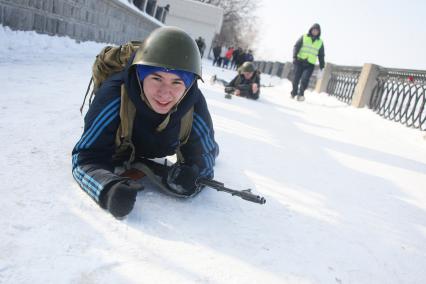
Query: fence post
[268,67]
[322,83]
[366,83]
[286,70]
[275,67]
[262,66]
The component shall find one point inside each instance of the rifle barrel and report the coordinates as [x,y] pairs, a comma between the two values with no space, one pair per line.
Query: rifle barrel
[244,194]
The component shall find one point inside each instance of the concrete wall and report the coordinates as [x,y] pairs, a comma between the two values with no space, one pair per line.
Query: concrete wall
[196,18]
[109,21]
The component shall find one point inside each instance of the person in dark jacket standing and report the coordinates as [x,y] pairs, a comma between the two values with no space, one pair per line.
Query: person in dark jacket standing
[249,56]
[201,45]
[160,82]
[246,83]
[307,50]
[235,56]
[216,54]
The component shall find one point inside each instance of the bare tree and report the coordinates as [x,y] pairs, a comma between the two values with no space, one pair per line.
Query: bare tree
[239,22]
[213,2]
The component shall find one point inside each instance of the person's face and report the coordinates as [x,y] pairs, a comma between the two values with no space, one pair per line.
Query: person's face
[163,90]
[247,75]
[315,32]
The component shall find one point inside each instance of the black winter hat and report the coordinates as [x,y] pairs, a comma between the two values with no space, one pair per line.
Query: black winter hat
[315,26]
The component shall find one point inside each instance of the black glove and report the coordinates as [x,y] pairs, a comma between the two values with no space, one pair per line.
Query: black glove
[182,179]
[121,197]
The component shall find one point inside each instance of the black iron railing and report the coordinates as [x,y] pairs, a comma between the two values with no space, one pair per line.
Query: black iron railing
[400,95]
[343,81]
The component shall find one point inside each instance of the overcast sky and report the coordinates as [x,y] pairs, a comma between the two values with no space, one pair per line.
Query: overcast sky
[389,33]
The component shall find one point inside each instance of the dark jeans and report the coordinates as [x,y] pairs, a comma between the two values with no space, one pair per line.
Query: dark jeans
[302,74]
[216,60]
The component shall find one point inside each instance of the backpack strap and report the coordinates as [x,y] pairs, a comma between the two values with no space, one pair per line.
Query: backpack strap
[85,96]
[185,131]
[123,139]
[186,126]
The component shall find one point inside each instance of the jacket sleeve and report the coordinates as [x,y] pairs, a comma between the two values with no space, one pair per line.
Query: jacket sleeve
[297,47]
[321,57]
[92,166]
[257,78]
[232,83]
[201,149]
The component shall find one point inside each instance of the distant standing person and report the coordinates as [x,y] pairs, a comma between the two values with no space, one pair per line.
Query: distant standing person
[235,55]
[201,45]
[228,56]
[222,56]
[249,56]
[307,50]
[216,54]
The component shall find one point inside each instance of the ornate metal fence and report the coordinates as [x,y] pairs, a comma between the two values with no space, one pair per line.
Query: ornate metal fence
[343,81]
[400,95]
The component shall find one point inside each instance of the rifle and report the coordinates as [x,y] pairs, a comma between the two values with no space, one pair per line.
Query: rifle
[244,194]
[245,90]
[155,172]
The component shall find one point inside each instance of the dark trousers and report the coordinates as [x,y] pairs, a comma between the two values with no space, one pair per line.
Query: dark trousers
[302,74]
[216,60]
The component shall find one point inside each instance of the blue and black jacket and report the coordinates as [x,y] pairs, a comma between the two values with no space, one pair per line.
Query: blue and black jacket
[92,156]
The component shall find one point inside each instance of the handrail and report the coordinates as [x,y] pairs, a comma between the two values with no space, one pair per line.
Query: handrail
[400,95]
[343,82]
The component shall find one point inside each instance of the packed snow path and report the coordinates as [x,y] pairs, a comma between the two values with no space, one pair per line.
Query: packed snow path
[345,189]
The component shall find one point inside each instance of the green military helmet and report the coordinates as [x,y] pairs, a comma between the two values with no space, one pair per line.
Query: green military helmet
[171,48]
[247,67]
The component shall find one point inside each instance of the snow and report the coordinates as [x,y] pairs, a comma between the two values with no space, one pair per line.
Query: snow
[345,188]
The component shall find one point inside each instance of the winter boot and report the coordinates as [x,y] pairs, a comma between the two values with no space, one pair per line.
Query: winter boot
[120,198]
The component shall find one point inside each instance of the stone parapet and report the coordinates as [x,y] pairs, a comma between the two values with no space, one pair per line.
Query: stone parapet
[96,20]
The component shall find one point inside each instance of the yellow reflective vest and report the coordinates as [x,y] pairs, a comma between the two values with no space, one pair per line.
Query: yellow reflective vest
[309,50]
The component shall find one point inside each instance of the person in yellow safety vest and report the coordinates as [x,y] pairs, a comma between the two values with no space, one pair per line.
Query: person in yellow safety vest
[305,53]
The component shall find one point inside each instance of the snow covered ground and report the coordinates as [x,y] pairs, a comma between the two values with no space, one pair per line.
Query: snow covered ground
[345,188]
